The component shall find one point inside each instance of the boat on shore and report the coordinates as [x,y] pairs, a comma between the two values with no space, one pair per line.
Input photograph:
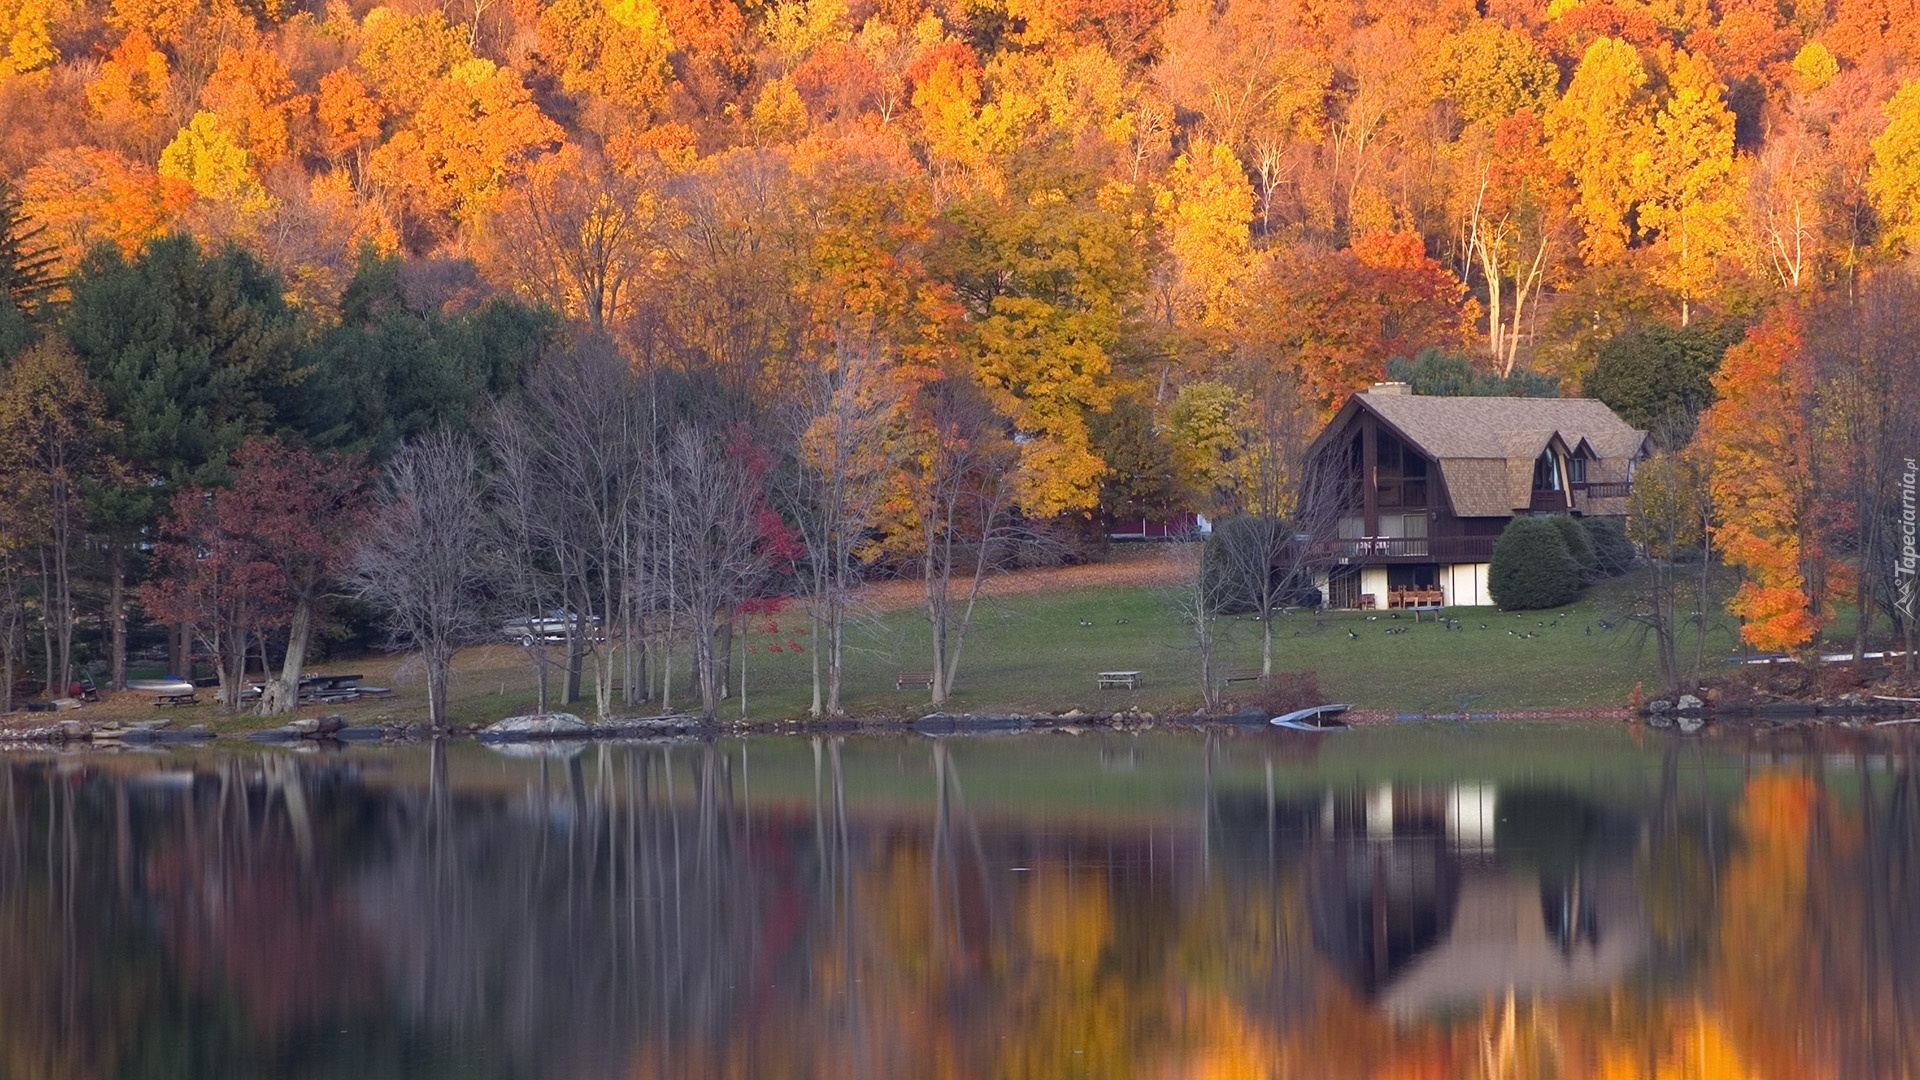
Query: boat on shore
[1314,718]
[161,686]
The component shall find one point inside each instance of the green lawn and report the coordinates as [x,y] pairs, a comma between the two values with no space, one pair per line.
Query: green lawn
[1031,652]
[1039,651]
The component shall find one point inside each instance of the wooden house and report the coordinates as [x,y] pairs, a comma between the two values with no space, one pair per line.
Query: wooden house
[1438,479]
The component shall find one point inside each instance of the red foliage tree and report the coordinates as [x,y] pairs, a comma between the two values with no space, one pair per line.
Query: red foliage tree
[302,510]
[216,582]
[245,560]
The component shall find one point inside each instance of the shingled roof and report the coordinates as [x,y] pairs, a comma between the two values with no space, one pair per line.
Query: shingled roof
[1486,446]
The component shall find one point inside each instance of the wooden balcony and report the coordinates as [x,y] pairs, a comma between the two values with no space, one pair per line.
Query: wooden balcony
[1381,550]
[1546,501]
[1611,489]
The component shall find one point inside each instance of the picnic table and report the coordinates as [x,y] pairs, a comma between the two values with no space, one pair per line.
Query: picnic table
[1123,680]
[318,688]
[330,688]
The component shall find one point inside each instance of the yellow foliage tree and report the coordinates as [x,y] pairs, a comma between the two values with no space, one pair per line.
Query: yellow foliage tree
[1894,182]
[404,56]
[26,36]
[1595,132]
[1206,207]
[207,157]
[614,49]
[1685,177]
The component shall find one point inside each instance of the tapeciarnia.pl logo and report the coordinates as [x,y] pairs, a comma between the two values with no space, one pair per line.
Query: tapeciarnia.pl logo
[1904,566]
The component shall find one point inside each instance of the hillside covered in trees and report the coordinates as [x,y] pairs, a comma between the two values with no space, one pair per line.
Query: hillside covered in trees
[1067,260]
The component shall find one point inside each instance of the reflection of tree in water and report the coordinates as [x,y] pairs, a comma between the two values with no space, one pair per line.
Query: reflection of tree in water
[607,909]
[631,912]
[611,911]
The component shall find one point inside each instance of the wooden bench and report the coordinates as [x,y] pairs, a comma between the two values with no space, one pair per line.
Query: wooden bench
[1243,674]
[185,697]
[913,680]
[1122,680]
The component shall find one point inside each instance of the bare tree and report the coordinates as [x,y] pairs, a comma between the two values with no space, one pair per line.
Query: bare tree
[961,476]
[51,427]
[1860,345]
[1288,506]
[526,524]
[12,619]
[720,534]
[576,234]
[844,422]
[1200,601]
[1669,518]
[423,557]
[573,463]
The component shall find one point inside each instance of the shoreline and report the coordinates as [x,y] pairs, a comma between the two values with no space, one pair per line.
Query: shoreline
[69,735]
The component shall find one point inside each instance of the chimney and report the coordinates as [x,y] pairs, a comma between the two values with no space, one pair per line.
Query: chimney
[1384,388]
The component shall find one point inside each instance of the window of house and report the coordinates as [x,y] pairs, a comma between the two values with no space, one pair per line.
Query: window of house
[1577,469]
[1400,475]
[1546,474]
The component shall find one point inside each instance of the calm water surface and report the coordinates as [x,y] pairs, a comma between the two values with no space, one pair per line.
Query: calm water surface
[1412,901]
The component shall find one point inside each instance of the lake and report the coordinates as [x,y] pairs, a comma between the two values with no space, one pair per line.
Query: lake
[1414,900]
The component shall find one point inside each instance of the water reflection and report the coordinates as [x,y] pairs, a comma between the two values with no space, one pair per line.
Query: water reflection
[1236,905]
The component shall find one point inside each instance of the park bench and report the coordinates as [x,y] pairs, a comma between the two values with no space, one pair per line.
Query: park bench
[179,697]
[1243,674]
[914,680]
[1121,680]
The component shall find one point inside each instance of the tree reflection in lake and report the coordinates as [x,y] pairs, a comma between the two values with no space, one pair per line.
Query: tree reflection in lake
[1032,907]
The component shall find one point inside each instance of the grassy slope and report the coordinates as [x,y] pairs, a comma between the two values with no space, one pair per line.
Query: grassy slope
[1030,652]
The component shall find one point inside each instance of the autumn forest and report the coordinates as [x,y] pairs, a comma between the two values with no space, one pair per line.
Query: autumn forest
[884,279]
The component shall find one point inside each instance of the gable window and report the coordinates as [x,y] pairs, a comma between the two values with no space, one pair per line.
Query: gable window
[1577,469]
[1546,472]
[1400,474]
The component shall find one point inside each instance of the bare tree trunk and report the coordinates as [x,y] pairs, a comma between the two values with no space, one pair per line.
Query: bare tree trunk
[117,613]
[46,626]
[439,671]
[282,695]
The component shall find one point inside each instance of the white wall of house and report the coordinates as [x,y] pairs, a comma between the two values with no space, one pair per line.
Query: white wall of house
[1373,579]
[1465,584]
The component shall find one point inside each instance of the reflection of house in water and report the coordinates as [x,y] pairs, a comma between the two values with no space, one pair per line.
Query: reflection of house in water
[1431,899]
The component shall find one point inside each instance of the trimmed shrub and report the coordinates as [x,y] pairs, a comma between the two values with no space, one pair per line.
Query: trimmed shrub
[1532,568]
[1612,551]
[1579,548]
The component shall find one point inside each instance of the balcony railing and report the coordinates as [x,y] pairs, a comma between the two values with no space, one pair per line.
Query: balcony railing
[1609,489]
[1379,549]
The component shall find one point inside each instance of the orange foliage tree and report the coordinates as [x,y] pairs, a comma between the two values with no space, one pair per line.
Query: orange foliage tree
[1342,317]
[86,196]
[1765,467]
[474,131]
